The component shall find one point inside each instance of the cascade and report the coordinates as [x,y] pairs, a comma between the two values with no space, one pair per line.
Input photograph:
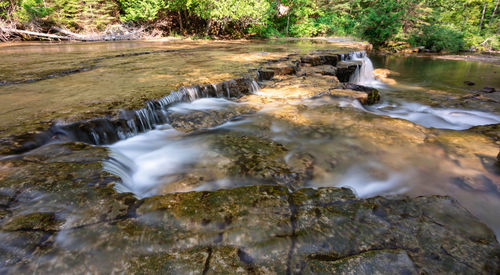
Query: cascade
[101,131]
[364,73]
[254,86]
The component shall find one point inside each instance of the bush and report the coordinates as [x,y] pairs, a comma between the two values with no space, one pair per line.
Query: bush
[382,21]
[332,23]
[31,9]
[267,30]
[439,38]
[305,28]
[140,10]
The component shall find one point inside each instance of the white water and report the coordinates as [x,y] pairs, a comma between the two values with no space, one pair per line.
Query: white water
[202,104]
[147,161]
[158,157]
[441,118]
[153,162]
[364,73]
[365,186]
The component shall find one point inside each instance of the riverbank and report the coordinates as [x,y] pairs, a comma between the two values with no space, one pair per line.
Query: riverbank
[493,57]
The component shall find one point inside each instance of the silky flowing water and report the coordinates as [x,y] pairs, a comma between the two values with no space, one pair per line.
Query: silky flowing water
[420,139]
[361,147]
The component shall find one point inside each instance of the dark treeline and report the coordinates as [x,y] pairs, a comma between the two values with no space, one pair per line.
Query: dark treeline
[450,25]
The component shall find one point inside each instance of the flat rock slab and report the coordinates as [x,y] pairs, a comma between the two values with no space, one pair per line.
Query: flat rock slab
[59,223]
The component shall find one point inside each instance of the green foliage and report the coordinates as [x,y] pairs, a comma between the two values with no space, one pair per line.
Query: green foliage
[335,24]
[439,38]
[32,9]
[140,10]
[245,11]
[448,25]
[67,12]
[382,21]
[304,28]
[3,9]
[265,31]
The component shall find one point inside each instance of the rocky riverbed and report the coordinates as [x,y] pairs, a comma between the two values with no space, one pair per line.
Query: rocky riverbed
[60,214]
[236,177]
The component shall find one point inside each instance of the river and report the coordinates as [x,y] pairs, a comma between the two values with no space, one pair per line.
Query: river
[430,133]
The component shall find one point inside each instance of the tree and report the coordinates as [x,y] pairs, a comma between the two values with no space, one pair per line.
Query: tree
[382,21]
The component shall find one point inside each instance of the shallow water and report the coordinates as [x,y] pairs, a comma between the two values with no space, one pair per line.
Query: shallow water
[414,142]
[395,147]
[117,75]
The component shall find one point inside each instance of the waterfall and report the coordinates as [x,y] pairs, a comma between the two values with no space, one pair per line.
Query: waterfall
[364,73]
[102,131]
[254,86]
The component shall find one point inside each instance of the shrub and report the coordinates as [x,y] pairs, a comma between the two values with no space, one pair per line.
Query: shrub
[382,21]
[140,10]
[439,38]
[31,9]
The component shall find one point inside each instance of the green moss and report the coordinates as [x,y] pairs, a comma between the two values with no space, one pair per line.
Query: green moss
[33,221]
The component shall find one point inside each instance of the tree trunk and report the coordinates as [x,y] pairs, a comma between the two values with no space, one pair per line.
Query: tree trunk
[209,24]
[221,28]
[493,14]
[482,16]
[287,24]
[180,22]
[186,20]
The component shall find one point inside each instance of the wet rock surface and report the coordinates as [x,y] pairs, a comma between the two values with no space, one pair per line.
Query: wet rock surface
[60,213]
[320,66]
[71,221]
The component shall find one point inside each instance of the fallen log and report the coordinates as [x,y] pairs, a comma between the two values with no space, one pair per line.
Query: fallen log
[46,35]
[68,35]
[104,37]
[80,37]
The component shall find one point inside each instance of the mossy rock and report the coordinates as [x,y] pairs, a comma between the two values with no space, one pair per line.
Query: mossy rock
[32,221]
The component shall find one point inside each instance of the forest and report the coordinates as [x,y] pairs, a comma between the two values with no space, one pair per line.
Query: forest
[437,25]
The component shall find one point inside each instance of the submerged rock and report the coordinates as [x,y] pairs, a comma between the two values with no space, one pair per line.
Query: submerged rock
[265,230]
[382,261]
[488,90]
[372,95]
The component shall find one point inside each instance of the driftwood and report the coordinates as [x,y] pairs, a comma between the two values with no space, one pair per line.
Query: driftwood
[38,34]
[112,36]
[473,48]
[67,35]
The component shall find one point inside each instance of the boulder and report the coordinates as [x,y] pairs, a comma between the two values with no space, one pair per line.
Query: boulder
[488,89]
[265,74]
[365,95]
[345,69]
[314,60]
[330,59]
